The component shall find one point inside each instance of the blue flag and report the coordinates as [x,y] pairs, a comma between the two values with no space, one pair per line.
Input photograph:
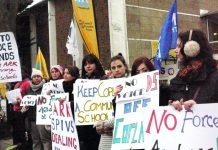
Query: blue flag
[168,36]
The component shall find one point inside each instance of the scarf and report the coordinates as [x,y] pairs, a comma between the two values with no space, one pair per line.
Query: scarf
[192,71]
[38,86]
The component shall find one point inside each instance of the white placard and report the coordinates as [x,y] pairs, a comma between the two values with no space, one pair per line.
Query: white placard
[64,133]
[9,58]
[14,95]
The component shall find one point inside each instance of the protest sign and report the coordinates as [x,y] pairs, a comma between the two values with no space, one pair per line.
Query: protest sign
[166,128]
[9,58]
[56,86]
[53,87]
[64,133]
[196,129]
[44,106]
[93,101]
[142,86]
[28,100]
[140,92]
[13,96]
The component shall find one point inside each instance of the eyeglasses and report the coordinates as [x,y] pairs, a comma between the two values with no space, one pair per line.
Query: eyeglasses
[118,67]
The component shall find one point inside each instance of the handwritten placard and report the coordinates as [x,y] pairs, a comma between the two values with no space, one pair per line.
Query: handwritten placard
[44,106]
[143,92]
[64,133]
[156,128]
[53,87]
[9,58]
[93,101]
[28,100]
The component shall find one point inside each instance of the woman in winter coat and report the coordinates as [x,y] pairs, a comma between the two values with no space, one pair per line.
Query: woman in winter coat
[91,69]
[197,79]
[119,69]
[56,72]
[41,138]
[71,74]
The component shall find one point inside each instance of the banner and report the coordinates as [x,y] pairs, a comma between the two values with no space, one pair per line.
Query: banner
[63,130]
[41,64]
[83,11]
[168,36]
[9,58]
[72,45]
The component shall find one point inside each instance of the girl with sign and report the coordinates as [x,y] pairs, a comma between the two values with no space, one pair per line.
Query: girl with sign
[196,81]
[119,69]
[91,69]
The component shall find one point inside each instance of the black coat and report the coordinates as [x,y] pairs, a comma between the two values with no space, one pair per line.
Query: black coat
[206,82]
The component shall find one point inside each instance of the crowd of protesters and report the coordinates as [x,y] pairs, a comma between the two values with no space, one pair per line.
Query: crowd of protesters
[196,82]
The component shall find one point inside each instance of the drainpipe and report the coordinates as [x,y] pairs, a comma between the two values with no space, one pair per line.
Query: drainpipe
[33,40]
[52,33]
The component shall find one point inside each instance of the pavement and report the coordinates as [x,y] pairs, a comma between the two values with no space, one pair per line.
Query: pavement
[6,142]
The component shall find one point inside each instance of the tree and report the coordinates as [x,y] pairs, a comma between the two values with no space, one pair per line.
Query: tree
[8,13]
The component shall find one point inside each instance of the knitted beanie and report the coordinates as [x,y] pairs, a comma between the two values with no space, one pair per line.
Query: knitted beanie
[36,72]
[58,67]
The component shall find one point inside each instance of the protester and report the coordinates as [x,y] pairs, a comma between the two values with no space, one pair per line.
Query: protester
[91,69]
[41,137]
[196,81]
[56,72]
[119,69]
[18,119]
[71,74]
[141,65]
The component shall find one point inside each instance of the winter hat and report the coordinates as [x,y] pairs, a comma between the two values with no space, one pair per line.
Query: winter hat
[58,67]
[36,72]
[191,48]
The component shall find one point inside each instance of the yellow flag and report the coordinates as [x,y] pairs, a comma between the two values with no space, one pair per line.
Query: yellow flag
[41,65]
[83,11]
[3,89]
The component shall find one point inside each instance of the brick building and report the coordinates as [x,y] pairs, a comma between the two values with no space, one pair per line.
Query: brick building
[141,22]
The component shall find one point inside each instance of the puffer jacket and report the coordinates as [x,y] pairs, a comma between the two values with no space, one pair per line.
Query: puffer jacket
[207,83]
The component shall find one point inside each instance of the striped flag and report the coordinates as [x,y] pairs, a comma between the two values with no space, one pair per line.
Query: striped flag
[41,64]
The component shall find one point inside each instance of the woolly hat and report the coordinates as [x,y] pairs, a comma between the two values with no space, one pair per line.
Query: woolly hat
[36,72]
[58,67]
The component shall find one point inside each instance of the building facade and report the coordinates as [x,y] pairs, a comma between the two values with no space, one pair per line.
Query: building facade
[141,25]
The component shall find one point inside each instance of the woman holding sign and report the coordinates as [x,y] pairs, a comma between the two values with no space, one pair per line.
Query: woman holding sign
[56,72]
[119,69]
[91,69]
[41,138]
[196,81]
[71,74]
[141,65]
